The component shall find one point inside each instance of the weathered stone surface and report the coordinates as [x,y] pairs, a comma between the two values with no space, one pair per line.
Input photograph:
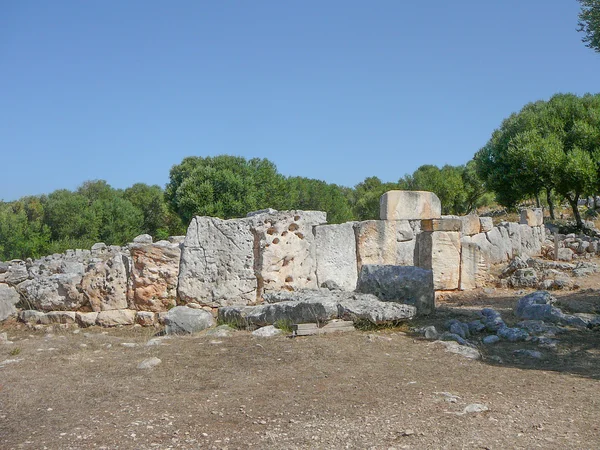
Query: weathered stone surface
[495,244]
[402,284]
[32,316]
[286,251]
[439,251]
[317,306]
[143,239]
[387,242]
[539,306]
[61,316]
[184,320]
[409,205]
[86,319]
[55,292]
[527,277]
[14,272]
[565,254]
[105,284]
[532,239]
[532,217]
[486,223]
[470,225]
[336,255]
[217,263]
[474,266]
[145,318]
[444,224]
[149,363]
[513,232]
[116,317]
[462,350]
[154,273]
[9,297]
[268,331]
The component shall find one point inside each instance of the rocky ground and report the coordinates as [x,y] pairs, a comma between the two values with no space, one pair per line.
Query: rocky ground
[387,388]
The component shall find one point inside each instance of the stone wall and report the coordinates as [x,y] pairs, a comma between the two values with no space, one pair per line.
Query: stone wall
[237,262]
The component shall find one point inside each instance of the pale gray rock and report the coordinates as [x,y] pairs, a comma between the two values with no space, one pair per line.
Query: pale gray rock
[386,242]
[55,292]
[104,285]
[474,408]
[474,265]
[114,318]
[462,350]
[512,231]
[512,334]
[492,319]
[261,212]
[176,239]
[32,316]
[532,217]
[336,255]
[268,331]
[401,284]
[217,263]
[14,272]
[491,339]
[86,319]
[149,363]
[9,297]
[286,250]
[402,205]
[565,254]
[143,239]
[524,278]
[61,316]
[539,306]
[471,225]
[499,249]
[184,320]
[317,306]
[430,332]
[145,318]
[486,223]
[439,251]
[515,264]
[532,239]
[99,249]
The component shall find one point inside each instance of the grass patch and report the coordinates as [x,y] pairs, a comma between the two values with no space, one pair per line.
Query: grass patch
[284,325]
[15,351]
[367,325]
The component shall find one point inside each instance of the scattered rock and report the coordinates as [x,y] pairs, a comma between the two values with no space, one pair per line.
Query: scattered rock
[430,332]
[463,350]
[491,339]
[149,363]
[268,331]
[184,320]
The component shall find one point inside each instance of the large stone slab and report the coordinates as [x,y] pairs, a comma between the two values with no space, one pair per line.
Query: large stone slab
[409,205]
[336,255]
[532,217]
[115,318]
[402,284]
[217,263]
[54,292]
[105,284]
[9,297]
[154,275]
[184,320]
[386,242]
[532,239]
[439,251]
[444,224]
[474,265]
[285,251]
[318,306]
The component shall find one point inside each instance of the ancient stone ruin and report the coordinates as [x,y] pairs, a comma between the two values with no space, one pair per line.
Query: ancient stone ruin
[274,265]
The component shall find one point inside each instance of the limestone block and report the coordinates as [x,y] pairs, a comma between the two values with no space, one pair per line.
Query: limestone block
[471,225]
[409,205]
[336,255]
[85,320]
[116,317]
[499,249]
[105,284]
[386,242]
[9,297]
[184,320]
[445,224]
[54,292]
[143,239]
[154,273]
[402,284]
[145,318]
[14,272]
[285,250]
[513,232]
[532,217]
[474,265]
[61,316]
[32,316]
[217,263]
[532,239]
[439,251]
[487,223]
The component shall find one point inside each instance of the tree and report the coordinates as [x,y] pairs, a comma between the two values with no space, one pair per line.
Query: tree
[223,186]
[549,145]
[366,197]
[589,23]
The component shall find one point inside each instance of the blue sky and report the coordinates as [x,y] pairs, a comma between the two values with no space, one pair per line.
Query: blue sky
[334,90]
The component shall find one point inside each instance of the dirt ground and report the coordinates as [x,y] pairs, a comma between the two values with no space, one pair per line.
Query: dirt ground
[378,389]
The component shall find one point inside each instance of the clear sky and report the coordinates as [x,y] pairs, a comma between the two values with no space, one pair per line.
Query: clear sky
[334,90]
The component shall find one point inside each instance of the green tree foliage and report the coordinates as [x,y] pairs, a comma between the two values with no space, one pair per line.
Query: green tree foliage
[589,23]
[309,194]
[22,232]
[366,197]
[549,145]
[223,186]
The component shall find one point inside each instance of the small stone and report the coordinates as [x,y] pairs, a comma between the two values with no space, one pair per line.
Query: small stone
[268,331]
[430,332]
[475,408]
[149,363]
[489,340]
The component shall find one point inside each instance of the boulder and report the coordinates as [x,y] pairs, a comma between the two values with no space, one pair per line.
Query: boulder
[386,242]
[32,316]
[105,284]
[320,305]
[143,239]
[336,255]
[474,266]
[268,331]
[184,320]
[486,223]
[539,306]
[154,274]
[14,272]
[9,297]
[565,254]
[409,205]
[439,251]
[86,319]
[145,318]
[524,278]
[532,239]
[401,284]
[54,292]
[532,217]
[61,316]
[286,250]
[116,317]
[217,263]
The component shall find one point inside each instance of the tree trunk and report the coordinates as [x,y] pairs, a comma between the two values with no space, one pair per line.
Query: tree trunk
[550,203]
[573,202]
[537,200]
